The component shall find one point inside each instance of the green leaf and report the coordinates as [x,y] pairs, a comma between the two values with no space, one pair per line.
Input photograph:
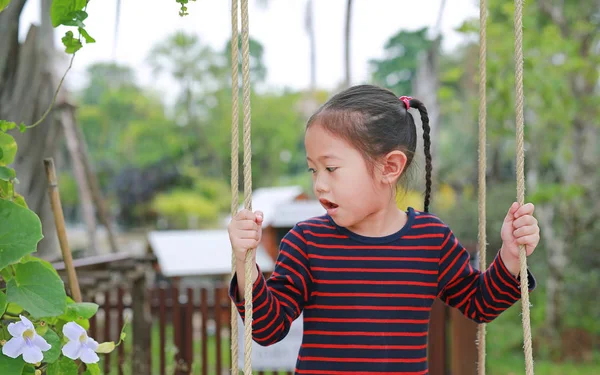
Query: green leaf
[65,366]
[4,4]
[62,10]
[51,355]
[71,44]
[86,36]
[7,173]
[45,263]
[22,128]
[9,149]
[18,199]
[11,366]
[13,308]
[79,311]
[28,370]
[6,125]
[20,232]
[3,303]
[92,369]
[37,289]
[6,273]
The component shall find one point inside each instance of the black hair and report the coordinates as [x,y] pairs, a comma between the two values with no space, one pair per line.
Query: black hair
[376,122]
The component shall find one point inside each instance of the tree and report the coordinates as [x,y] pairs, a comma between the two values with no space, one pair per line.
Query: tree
[27,85]
[561,79]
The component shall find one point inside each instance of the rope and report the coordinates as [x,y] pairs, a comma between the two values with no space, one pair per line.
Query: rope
[247,184]
[519,98]
[235,123]
[482,170]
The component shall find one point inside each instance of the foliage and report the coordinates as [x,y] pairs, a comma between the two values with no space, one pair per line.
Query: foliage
[399,67]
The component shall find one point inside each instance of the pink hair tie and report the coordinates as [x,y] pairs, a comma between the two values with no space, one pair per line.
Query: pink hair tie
[406,100]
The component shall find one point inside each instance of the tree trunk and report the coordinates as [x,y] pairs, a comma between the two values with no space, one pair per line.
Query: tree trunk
[99,201]
[425,87]
[27,85]
[85,194]
[310,30]
[557,264]
[347,79]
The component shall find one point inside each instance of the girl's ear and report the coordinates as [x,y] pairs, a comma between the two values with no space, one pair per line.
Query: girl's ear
[393,166]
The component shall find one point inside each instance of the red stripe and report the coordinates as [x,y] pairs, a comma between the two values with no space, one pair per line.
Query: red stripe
[372,247]
[326,235]
[285,240]
[421,236]
[320,219]
[425,217]
[507,272]
[266,339]
[357,346]
[393,259]
[376,270]
[497,289]
[297,274]
[429,225]
[317,225]
[363,360]
[458,275]
[288,298]
[296,260]
[366,320]
[297,235]
[385,295]
[449,267]
[448,252]
[366,307]
[333,372]
[374,282]
[360,333]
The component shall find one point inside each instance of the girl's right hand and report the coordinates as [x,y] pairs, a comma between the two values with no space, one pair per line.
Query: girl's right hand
[245,232]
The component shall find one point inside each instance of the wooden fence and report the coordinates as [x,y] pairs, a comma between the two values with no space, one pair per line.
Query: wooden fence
[190,334]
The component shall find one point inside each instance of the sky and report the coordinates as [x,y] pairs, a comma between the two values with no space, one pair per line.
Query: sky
[279,27]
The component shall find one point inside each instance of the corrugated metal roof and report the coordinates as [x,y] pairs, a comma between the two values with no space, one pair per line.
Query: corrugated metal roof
[268,200]
[291,213]
[198,252]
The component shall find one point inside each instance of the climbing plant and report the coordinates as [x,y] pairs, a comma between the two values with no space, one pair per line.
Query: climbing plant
[42,330]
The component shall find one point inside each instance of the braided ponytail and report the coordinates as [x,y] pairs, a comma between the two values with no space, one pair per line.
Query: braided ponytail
[414,103]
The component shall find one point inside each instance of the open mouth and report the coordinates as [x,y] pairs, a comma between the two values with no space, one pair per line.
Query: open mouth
[327,204]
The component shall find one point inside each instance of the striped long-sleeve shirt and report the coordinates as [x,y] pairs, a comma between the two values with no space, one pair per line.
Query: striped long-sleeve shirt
[367,301]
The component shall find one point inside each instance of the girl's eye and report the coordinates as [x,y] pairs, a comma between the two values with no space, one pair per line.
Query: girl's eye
[311,170]
[331,169]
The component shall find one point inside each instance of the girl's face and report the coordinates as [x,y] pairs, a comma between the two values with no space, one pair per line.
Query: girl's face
[341,179]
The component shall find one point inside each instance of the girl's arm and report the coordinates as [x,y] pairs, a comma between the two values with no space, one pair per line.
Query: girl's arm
[480,296]
[278,301]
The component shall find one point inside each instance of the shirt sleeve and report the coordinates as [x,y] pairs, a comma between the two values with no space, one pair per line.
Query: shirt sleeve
[480,296]
[278,301]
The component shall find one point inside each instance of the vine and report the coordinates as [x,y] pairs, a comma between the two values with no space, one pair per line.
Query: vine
[42,330]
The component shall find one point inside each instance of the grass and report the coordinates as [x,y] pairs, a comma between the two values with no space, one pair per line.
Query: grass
[505,351]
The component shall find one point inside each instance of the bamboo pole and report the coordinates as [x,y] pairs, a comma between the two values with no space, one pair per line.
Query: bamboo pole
[59,220]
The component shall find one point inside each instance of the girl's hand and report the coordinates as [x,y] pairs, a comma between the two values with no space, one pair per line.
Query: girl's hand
[519,228]
[245,232]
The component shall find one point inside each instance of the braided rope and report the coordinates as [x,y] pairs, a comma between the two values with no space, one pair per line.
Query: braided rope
[482,170]
[247,183]
[519,98]
[235,123]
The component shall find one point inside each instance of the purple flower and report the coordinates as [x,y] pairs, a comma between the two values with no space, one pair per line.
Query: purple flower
[25,341]
[79,345]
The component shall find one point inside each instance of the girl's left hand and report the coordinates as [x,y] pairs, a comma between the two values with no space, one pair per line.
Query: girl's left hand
[519,228]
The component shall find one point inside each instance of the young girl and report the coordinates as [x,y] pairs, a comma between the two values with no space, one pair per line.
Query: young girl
[366,274]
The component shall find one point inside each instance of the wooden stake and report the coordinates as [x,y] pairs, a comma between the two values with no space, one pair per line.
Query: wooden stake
[59,220]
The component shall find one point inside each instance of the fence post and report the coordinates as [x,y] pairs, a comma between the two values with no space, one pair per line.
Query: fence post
[142,327]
